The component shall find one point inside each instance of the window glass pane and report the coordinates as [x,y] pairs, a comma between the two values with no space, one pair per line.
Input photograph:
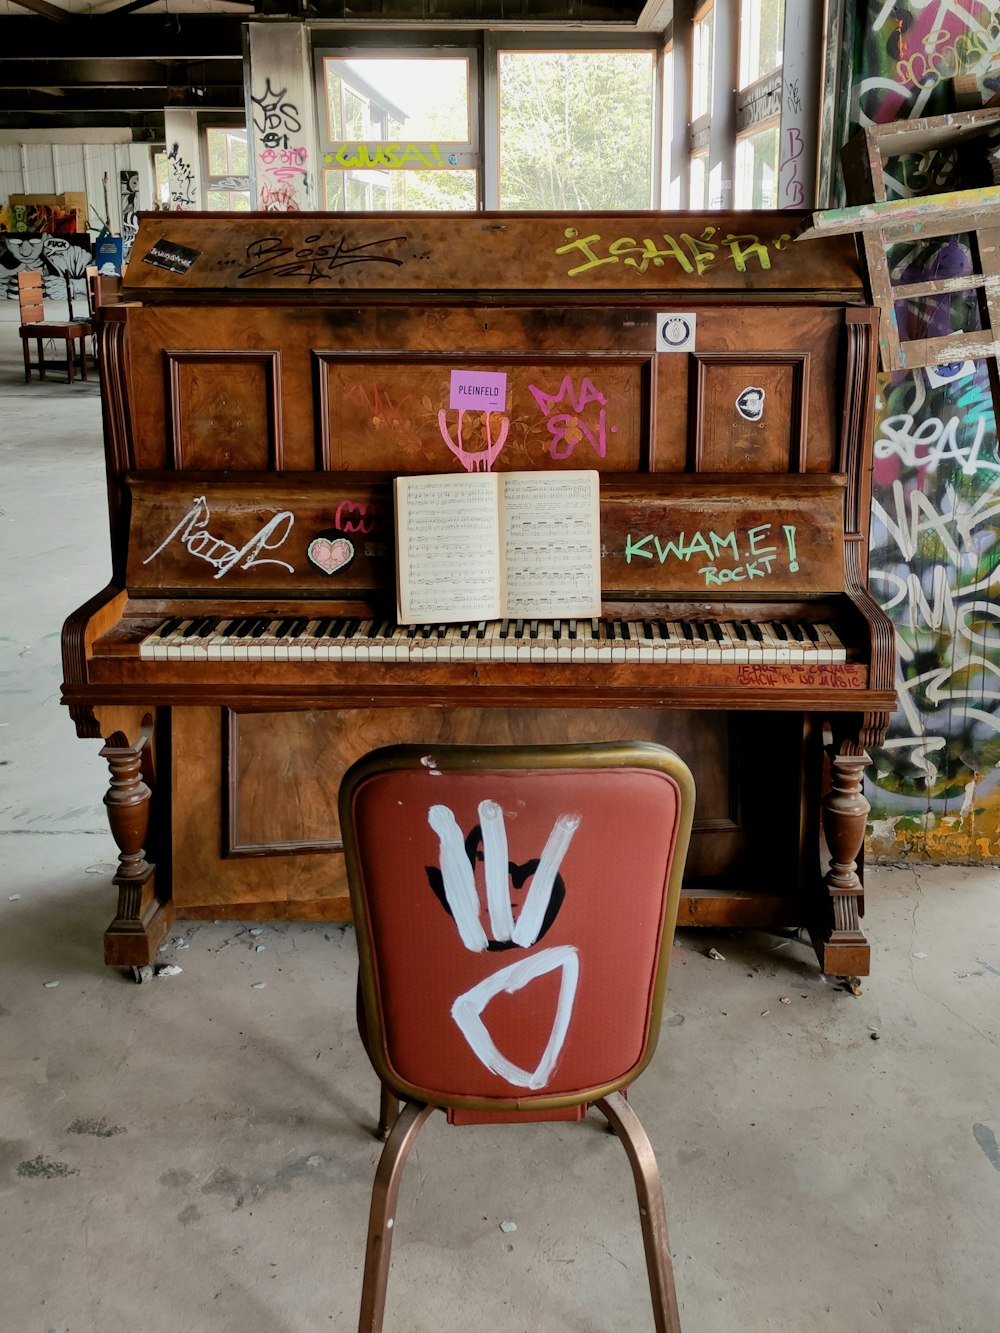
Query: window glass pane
[576,129]
[757,169]
[161,170]
[333,191]
[227,201]
[762,24]
[699,182]
[387,191]
[417,98]
[227,151]
[701,91]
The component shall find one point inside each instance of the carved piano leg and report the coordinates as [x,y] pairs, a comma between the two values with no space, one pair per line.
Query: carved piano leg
[840,943]
[142,920]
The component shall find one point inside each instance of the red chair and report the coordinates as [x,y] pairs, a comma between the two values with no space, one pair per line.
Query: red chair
[514,910]
[36,328]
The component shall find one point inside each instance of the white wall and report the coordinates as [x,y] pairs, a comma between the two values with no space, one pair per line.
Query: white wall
[31,164]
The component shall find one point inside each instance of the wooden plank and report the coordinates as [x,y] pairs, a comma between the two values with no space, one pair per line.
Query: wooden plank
[316,255]
[927,215]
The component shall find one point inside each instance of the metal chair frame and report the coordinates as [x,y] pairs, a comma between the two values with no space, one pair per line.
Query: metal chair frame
[404,1126]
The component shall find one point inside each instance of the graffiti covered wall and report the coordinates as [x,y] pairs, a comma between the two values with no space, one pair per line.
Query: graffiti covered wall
[935,549]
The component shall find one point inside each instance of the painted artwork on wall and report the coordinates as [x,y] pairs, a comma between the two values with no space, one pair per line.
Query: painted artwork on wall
[934,787]
[57,258]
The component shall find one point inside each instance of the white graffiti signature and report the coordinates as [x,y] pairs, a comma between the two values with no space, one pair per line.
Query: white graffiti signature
[933,441]
[192,532]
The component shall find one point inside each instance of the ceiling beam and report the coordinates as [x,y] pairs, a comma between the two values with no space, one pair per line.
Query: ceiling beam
[70,101]
[118,73]
[46,10]
[144,36]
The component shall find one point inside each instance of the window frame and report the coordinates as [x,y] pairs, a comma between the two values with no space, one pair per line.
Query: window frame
[460,155]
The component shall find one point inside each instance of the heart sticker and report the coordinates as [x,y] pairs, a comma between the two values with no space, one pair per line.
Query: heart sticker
[329,556]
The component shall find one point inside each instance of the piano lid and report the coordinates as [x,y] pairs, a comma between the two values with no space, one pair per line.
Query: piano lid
[623,256]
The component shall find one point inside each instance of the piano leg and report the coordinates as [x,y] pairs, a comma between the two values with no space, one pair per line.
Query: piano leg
[840,943]
[134,936]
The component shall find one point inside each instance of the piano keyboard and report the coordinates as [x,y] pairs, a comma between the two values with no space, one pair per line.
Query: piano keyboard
[340,639]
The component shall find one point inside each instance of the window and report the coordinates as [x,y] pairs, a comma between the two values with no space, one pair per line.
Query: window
[758,106]
[227,179]
[576,128]
[400,131]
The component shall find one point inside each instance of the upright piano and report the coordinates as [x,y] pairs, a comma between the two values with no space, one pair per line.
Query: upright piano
[264,379]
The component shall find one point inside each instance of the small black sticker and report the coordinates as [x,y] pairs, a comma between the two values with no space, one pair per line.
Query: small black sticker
[171,256]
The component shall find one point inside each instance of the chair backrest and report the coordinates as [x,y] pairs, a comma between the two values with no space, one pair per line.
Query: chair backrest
[30,296]
[514,909]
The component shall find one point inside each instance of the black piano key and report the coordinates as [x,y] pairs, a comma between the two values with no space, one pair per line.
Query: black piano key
[595,629]
[425,631]
[381,629]
[533,629]
[241,627]
[716,632]
[504,629]
[557,629]
[481,630]
[739,631]
[571,629]
[519,629]
[647,630]
[700,632]
[810,630]
[626,632]
[795,631]
[168,626]
[755,631]
[350,628]
[778,629]
[323,626]
[296,628]
[464,631]
[686,630]
[441,631]
[196,626]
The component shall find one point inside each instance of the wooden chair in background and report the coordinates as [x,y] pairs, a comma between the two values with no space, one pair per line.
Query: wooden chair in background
[36,328]
[549,876]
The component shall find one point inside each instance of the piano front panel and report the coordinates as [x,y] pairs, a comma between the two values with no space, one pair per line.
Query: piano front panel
[255,798]
[365,389]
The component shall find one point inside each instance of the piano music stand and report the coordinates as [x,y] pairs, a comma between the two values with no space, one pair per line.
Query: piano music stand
[550,875]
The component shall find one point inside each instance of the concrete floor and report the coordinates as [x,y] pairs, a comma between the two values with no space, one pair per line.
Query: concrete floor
[196,1153]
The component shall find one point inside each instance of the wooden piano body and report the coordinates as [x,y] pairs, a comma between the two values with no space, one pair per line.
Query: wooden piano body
[267,375]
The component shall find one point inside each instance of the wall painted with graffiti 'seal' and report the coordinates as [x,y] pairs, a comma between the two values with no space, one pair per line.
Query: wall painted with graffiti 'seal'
[934,787]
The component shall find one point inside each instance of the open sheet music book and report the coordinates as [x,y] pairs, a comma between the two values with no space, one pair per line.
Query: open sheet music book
[485,545]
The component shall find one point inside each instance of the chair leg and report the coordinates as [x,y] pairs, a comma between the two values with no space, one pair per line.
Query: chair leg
[652,1213]
[83,359]
[70,359]
[41,358]
[382,1217]
[26,348]
[388,1111]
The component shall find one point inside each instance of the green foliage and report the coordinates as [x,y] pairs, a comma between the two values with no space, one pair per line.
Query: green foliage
[576,129]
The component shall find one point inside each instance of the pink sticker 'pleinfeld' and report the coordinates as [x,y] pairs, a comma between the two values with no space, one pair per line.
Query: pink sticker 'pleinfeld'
[480,390]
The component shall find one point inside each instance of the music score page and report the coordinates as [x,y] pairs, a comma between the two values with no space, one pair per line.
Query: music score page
[480,546]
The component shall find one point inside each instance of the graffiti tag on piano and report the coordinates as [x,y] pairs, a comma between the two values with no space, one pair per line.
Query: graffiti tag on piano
[757,559]
[692,254]
[192,533]
[314,261]
[835,676]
